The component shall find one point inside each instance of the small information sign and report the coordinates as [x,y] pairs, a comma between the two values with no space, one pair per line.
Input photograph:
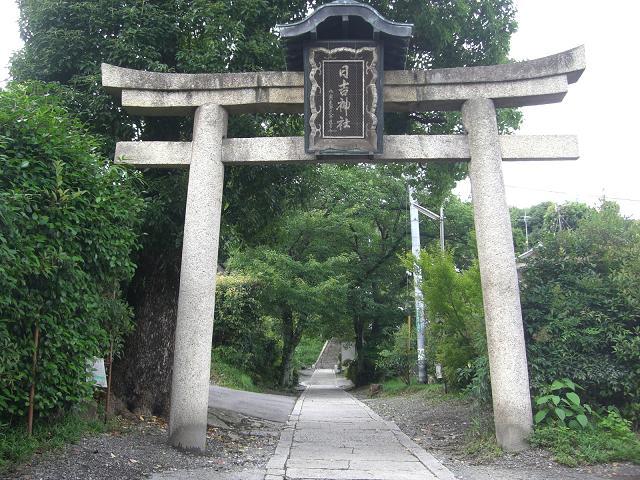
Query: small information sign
[343,101]
[98,372]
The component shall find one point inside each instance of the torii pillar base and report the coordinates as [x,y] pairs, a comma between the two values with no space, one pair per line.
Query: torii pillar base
[196,303]
[500,293]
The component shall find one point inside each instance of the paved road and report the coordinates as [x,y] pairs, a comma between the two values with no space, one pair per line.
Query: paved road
[332,436]
[275,408]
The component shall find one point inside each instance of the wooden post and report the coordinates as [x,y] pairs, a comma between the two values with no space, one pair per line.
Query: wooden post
[32,392]
[107,404]
[409,347]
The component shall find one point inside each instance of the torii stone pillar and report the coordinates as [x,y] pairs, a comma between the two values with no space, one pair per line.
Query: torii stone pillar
[476,91]
[500,293]
[196,301]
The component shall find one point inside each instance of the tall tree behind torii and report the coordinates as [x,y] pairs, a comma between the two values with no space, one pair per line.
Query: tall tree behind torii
[66,43]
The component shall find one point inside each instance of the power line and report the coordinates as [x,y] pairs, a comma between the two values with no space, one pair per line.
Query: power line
[575,193]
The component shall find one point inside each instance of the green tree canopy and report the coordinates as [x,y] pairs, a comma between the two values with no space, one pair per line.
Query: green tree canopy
[364,211]
[332,266]
[299,293]
[65,42]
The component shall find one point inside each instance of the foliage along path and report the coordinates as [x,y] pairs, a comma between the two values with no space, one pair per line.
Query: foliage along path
[331,435]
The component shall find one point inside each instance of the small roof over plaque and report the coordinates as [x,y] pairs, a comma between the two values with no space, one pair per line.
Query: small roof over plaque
[347,20]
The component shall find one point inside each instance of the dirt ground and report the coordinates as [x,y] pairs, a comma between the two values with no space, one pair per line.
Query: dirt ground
[138,449]
[442,426]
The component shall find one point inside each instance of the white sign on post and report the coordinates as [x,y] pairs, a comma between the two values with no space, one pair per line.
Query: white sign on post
[99,373]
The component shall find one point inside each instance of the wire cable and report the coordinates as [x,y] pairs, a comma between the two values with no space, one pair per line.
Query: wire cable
[575,193]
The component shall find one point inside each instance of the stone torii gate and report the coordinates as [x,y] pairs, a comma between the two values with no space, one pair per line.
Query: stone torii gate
[476,91]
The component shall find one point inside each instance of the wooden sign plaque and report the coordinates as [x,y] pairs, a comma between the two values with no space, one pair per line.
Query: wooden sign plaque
[343,98]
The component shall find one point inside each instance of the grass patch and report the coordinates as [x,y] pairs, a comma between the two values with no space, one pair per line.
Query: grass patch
[395,386]
[482,447]
[307,352]
[432,391]
[588,446]
[16,447]
[226,375]
[480,439]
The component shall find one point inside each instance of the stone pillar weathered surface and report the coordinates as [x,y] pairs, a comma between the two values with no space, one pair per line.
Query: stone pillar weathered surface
[503,315]
[194,329]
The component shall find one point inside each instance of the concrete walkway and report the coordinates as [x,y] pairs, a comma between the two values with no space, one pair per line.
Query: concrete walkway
[330,435]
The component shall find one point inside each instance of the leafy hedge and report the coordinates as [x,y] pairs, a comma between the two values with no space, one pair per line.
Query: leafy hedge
[581,308]
[67,228]
[580,304]
[398,361]
[456,331]
[243,336]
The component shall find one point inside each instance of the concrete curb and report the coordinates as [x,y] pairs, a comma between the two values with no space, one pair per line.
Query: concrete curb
[276,465]
[424,457]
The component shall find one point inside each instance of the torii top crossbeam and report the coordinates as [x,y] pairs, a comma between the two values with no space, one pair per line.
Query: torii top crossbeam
[534,82]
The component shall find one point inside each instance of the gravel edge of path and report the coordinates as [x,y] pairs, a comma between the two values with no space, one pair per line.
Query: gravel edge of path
[441,426]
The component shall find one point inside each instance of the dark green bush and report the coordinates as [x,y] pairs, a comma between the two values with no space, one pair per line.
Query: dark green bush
[242,334]
[363,371]
[67,228]
[581,309]
[477,378]
[399,360]
[456,319]
[610,439]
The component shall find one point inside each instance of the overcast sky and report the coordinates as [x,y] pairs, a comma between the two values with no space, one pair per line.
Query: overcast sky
[599,108]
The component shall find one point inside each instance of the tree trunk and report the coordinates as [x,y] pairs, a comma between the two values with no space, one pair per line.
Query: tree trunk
[291,335]
[142,374]
[285,378]
[358,326]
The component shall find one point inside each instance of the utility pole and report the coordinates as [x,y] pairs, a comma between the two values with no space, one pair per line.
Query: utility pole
[421,319]
[559,217]
[441,227]
[417,288]
[526,228]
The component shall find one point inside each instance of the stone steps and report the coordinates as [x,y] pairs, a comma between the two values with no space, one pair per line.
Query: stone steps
[329,356]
